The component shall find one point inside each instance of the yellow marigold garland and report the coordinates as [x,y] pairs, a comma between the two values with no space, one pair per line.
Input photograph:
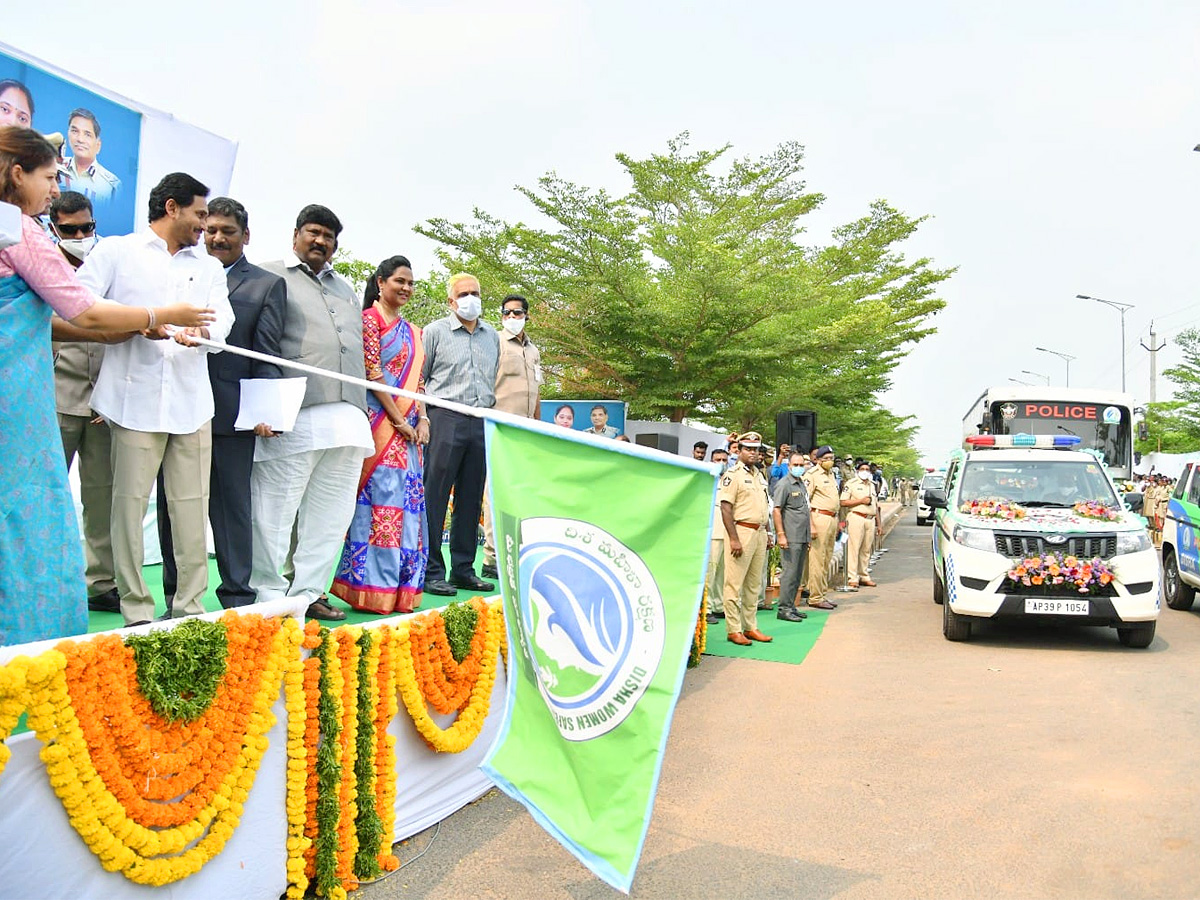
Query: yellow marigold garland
[13,700]
[120,843]
[471,716]
[297,774]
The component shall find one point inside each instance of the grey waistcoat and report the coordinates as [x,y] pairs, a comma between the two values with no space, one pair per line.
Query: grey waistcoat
[323,327]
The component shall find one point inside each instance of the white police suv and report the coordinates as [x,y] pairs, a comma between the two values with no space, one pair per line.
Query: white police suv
[1027,527]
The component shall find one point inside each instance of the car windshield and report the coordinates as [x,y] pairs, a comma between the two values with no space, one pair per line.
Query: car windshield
[932,481]
[1036,483]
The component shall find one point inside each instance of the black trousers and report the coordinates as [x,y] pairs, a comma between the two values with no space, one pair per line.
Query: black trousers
[455,459]
[229,516]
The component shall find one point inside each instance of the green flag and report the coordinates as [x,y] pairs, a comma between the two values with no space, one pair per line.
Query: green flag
[602,549]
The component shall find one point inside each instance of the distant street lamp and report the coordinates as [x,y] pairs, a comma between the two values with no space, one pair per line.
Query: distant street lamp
[1120,307]
[1065,357]
[1018,381]
[1037,375]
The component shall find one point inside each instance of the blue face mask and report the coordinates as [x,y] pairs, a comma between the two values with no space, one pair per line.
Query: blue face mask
[798,471]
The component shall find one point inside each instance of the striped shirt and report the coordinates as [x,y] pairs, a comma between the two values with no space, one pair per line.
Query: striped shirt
[461,365]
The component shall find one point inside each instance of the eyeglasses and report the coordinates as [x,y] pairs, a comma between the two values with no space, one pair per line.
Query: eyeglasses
[513,313]
[83,228]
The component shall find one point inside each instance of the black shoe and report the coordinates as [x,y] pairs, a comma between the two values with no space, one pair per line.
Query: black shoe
[137,623]
[109,602]
[320,609]
[488,571]
[471,583]
[720,613]
[790,615]
[804,595]
[440,588]
[711,619]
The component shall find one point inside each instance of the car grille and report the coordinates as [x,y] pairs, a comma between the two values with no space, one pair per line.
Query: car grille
[1018,544]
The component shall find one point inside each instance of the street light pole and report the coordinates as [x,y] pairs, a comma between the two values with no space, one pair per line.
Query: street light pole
[1120,307]
[1037,375]
[1018,381]
[1065,357]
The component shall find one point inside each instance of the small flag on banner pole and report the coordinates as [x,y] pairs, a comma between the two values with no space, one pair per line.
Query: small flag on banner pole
[602,554]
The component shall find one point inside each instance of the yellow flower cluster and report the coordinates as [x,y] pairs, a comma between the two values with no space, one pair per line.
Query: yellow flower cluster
[459,736]
[12,701]
[142,854]
[347,845]
[297,774]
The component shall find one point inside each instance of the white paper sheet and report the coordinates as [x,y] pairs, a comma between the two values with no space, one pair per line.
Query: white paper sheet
[274,401]
[10,225]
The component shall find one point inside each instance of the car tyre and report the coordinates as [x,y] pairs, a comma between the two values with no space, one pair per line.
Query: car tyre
[920,521]
[939,590]
[1178,594]
[954,626]
[1141,635]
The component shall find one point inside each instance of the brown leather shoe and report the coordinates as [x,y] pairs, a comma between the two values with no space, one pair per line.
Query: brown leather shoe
[756,635]
[736,637]
[824,604]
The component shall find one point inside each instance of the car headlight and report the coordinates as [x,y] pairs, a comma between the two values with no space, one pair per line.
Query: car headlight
[976,538]
[1132,542]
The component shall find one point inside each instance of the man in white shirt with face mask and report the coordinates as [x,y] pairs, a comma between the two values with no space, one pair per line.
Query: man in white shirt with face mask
[518,384]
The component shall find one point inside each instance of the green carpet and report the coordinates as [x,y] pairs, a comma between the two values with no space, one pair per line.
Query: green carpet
[153,575]
[792,641]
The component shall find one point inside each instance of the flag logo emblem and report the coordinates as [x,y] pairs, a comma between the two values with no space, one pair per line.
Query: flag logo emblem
[594,628]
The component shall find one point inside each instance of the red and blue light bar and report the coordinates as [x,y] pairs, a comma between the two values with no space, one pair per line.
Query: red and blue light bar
[1040,441]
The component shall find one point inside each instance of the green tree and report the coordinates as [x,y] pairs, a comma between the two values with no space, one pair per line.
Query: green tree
[693,294]
[1174,425]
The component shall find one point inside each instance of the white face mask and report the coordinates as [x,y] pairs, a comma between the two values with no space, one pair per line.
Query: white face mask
[512,324]
[78,247]
[865,474]
[469,307]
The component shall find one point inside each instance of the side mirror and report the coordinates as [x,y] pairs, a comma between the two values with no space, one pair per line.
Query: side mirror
[935,498]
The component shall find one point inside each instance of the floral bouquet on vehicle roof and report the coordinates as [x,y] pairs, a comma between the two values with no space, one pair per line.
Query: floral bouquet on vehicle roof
[1062,571]
[993,508]
[1094,509]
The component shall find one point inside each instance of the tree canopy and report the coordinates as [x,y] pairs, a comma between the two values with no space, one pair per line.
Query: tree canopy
[1174,425]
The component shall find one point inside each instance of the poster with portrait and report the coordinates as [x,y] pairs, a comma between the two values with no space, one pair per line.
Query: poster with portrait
[113,149]
[604,418]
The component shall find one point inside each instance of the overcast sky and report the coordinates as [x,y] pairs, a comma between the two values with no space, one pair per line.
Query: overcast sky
[1050,142]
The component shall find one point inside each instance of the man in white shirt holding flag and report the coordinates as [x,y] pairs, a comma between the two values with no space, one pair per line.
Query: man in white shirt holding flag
[154,390]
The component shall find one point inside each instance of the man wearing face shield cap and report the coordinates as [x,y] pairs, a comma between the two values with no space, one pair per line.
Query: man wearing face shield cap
[76,368]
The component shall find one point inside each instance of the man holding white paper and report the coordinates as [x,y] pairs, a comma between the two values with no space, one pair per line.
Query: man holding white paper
[258,299]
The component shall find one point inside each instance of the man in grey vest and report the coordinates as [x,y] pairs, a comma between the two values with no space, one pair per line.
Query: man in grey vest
[307,479]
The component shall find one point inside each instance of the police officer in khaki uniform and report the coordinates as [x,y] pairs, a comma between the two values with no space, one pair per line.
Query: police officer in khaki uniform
[743,497]
[714,581]
[518,386]
[824,502]
[862,523]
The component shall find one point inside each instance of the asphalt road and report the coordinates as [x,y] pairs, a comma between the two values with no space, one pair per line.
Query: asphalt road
[1029,762]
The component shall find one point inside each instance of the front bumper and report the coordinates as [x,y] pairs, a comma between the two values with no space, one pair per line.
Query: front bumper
[976,579]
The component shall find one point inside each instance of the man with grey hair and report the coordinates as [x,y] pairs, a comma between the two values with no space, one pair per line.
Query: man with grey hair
[462,356]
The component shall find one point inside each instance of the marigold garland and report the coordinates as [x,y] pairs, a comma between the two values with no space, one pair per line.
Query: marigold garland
[413,644]
[327,766]
[347,651]
[368,829]
[146,854]
[385,746]
[12,702]
[700,637]
[296,803]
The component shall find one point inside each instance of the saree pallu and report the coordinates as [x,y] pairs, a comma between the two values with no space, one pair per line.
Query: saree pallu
[382,569]
[42,589]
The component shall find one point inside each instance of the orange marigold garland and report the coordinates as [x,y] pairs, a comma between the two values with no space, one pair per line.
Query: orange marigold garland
[416,647]
[155,855]
[385,746]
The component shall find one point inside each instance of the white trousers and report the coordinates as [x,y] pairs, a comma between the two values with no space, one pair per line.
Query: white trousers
[313,492]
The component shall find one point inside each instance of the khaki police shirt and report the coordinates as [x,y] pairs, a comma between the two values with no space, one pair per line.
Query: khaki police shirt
[76,368]
[519,375]
[745,490]
[856,489]
[822,490]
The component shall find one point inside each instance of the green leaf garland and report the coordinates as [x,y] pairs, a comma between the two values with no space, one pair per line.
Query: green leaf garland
[180,669]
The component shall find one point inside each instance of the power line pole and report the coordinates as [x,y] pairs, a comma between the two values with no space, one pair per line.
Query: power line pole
[1153,348]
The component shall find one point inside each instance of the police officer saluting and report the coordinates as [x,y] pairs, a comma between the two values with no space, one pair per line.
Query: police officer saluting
[743,498]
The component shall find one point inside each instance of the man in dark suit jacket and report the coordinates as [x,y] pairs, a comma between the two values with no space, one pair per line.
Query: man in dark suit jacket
[258,299]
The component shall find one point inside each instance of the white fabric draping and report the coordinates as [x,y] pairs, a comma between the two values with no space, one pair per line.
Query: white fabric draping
[44,857]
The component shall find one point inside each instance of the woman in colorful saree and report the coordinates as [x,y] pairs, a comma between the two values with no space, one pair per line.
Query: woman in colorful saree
[387,547]
[42,590]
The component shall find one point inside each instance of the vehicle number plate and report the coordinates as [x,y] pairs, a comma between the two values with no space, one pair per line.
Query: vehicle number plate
[1057,607]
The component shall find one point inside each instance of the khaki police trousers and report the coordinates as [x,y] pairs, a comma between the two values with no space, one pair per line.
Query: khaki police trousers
[860,534]
[743,579]
[820,552]
[715,579]
[93,444]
